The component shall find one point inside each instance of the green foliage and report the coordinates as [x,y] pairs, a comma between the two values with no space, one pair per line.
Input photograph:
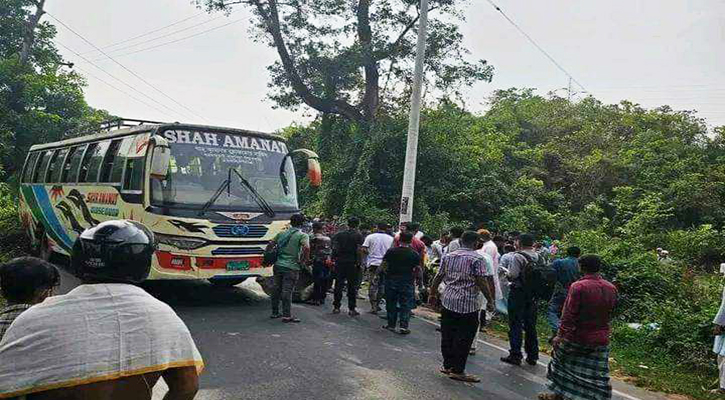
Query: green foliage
[39,101]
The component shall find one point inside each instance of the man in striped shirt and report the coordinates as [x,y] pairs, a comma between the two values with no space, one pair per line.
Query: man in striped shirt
[465,274]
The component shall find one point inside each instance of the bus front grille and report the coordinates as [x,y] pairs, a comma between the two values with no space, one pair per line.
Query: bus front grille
[245,231]
[234,251]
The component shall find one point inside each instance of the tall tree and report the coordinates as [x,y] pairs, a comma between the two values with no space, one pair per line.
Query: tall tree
[351,58]
[40,99]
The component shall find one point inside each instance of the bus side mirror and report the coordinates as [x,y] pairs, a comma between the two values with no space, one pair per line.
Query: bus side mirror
[161,158]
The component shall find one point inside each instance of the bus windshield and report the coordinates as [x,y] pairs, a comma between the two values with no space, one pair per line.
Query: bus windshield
[201,162]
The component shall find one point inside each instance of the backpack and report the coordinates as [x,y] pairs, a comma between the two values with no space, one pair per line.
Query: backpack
[537,278]
[271,255]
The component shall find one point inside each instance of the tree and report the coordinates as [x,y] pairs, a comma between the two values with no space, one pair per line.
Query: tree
[333,54]
[40,100]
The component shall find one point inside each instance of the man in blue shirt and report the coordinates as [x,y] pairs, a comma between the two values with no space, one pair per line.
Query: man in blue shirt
[566,272]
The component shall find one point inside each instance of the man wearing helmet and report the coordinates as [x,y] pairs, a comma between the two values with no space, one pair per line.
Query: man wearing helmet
[106,339]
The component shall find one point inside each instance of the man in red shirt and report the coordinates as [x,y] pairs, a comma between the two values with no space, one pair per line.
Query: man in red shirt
[579,367]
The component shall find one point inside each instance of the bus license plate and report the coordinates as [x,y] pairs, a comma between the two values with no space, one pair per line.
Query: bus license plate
[238,266]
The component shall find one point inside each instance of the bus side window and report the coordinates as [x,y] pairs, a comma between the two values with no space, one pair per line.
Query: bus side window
[29,166]
[133,180]
[119,161]
[85,163]
[73,161]
[41,166]
[108,160]
[56,166]
[94,164]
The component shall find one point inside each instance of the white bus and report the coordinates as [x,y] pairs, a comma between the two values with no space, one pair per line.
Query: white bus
[213,196]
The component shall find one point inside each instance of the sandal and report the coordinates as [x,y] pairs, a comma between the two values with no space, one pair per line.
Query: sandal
[445,371]
[290,319]
[465,378]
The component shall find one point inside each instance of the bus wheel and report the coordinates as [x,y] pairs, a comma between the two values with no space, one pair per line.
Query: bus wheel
[226,283]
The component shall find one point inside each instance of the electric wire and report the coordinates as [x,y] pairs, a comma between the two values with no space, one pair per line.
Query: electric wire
[146,33]
[120,49]
[87,73]
[125,68]
[541,49]
[174,41]
[119,80]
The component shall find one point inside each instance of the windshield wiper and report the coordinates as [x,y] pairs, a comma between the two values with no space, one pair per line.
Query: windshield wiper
[255,194]
[227,184]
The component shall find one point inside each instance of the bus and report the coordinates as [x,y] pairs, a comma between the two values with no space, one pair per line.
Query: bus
[213,196]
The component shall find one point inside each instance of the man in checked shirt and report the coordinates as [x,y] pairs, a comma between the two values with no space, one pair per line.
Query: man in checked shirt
[465,274]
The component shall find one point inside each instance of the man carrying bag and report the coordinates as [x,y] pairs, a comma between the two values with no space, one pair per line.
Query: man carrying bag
[290,252]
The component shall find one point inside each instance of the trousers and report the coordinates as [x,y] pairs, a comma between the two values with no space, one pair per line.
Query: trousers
[457,333]
[376,290]
[522,321]
[399,301]
[347,274]
[322,279]
[553,314]
[284,284]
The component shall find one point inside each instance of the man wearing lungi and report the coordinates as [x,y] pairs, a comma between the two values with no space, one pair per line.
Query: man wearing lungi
[579,368]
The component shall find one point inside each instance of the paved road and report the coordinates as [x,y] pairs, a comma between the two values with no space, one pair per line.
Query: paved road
[249,356]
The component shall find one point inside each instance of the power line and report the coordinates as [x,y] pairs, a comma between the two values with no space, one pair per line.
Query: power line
[124,67]
[541,49]
[147,33]
[175,41]
[120,90]
[164,36]
[119,80]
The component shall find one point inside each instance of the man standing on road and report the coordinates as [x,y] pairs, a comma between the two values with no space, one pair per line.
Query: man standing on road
[566,272]
[400,264]
[346,253]
[455,243]
[464,273]
[25,281]
[579,367]
[321,250]
[294,253]
[522,305]
[107,338]
[375,246]
[491,248]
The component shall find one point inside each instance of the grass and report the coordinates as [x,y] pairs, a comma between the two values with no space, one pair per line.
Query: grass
[638,365]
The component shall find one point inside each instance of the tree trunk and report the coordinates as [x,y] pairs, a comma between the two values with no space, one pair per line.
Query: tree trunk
[29,34]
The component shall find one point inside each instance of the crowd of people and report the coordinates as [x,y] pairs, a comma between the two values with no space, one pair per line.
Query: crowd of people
[466,274]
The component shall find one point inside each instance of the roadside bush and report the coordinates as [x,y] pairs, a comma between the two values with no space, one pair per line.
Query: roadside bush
[704,246]
[14,242]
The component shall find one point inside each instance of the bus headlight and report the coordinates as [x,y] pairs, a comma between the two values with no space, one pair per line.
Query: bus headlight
[180,242]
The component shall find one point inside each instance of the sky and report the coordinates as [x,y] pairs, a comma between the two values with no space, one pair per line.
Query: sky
[651,52]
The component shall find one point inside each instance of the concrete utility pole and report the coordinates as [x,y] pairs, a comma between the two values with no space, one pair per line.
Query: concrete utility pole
[411,152]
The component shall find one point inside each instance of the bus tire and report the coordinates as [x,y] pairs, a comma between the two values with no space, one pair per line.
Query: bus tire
[226,283]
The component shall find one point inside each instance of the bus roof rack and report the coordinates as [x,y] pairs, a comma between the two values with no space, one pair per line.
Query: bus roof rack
[120,123]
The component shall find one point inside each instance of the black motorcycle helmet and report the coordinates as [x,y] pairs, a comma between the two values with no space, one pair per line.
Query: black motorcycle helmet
[114,251]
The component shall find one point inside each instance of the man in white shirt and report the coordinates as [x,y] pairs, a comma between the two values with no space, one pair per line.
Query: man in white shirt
[455,244]
[490,248]
[375,247]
